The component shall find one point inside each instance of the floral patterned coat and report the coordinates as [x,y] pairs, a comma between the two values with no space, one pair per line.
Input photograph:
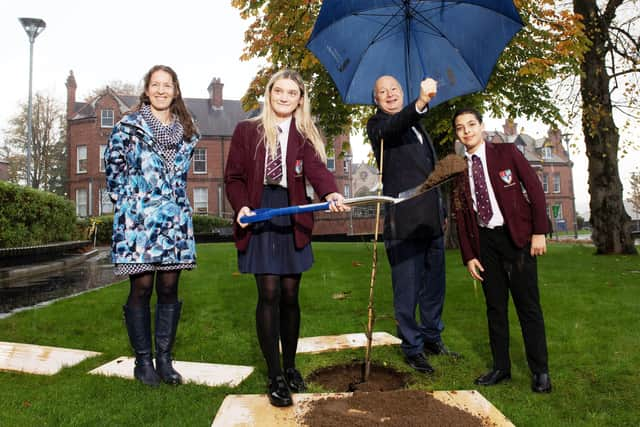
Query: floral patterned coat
[152,216]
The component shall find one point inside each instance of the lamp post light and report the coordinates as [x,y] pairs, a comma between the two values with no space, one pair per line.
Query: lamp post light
[33,27]
[348,158]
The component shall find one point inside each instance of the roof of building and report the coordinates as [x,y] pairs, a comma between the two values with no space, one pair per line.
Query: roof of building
[210,121]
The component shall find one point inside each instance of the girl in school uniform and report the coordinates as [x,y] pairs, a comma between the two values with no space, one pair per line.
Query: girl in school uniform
[270,158]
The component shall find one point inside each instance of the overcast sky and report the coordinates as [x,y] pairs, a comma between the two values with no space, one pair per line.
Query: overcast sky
[121,40]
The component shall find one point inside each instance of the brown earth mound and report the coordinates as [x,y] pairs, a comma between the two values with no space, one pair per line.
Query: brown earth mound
[444,170]
[381,401]
[342,378]
[400,408]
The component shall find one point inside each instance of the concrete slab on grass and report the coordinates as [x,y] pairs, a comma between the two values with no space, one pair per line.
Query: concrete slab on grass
[210,374]
[39,359]
[245,410]
[342,342]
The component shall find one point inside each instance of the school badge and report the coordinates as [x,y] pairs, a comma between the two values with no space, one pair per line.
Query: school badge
[506,176]
[298,167]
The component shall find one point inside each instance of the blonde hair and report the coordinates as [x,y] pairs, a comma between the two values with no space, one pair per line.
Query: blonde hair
[302,116]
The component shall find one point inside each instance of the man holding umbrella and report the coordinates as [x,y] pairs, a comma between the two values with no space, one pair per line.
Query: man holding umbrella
[413,230]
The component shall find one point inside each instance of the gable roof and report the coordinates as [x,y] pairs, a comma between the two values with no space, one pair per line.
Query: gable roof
[210,121]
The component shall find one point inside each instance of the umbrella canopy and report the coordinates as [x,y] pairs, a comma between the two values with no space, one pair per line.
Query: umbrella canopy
[455,42]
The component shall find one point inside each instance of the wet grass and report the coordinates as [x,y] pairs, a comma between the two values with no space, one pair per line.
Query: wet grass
[591,306]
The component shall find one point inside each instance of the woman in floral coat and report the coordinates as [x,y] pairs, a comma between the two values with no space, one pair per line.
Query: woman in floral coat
[147,160]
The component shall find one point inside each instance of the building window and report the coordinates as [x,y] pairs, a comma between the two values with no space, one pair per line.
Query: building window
[101,161]
[81,166]
[200,160]
[106,205]
[556,182]
[81,202]
[545,182]
[557,212]
[106,119]
[347,190]
[331,163]
[201,200]
[547,153]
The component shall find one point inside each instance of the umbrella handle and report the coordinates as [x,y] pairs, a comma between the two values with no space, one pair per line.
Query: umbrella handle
[268,213]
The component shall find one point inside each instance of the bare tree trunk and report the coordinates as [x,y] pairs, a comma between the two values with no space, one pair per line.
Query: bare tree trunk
[610,222]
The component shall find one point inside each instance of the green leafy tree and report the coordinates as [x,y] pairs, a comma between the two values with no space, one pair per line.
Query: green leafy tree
[610,69]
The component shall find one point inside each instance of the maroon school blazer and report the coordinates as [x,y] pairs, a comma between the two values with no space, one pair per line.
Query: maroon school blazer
[519,195]
[244,177]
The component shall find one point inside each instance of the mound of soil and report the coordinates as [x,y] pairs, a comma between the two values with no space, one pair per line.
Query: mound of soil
[381,401]
[342,378]
[400,408]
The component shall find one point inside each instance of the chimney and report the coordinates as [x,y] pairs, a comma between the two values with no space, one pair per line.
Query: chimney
[510,128]
[71,94]
[215,93]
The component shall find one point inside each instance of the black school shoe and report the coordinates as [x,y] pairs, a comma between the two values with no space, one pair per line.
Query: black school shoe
[294,380]
[419,363]
[279,394]
[438,348]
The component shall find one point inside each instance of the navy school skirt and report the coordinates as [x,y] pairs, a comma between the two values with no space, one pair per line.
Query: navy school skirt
[271,247]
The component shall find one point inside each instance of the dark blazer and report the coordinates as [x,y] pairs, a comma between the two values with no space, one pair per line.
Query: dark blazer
[407,164]
[244,177]
[519,195]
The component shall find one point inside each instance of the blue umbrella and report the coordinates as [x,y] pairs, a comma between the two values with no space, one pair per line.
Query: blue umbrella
[455,42]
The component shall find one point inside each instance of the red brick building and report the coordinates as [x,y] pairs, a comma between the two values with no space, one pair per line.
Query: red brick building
[90,124]
[553,165]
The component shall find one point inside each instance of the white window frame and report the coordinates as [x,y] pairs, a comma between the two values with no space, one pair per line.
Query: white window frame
[545,182]
[82,206]
[201,200]
[81,159]
[103,147]
[547,153]
[347,190]
[107,118]
[331,163]
[556,183]
[197,160]
[106,204]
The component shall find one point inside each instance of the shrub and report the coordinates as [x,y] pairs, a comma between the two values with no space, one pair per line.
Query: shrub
[31,217]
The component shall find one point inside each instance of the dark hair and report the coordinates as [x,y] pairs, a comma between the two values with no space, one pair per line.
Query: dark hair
[177,105]
[462,111]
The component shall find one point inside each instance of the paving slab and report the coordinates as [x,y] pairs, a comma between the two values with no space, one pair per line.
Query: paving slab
[341,342]
[210,374]
[247,410]
[39,359]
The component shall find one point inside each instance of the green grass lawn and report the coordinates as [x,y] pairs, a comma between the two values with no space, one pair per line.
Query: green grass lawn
[591,306]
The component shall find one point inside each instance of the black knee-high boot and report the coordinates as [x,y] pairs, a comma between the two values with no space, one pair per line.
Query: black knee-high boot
[138,321]
[167,318]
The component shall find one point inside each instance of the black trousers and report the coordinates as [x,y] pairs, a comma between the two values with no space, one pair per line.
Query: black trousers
[510,269]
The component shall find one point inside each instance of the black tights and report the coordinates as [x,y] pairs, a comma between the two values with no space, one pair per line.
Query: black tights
[278,319]
[142,288]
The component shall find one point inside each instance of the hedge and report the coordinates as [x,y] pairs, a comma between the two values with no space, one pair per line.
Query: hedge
[30,217]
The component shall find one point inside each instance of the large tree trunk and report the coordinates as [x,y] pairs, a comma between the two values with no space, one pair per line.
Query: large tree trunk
[610,222]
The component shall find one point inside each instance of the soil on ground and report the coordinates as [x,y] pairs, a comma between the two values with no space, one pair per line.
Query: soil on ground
[381,401]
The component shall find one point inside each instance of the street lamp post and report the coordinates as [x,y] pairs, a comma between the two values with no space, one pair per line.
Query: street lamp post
[348,157]
[33,27]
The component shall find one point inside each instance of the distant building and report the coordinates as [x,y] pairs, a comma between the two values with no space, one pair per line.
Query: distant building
[90,124]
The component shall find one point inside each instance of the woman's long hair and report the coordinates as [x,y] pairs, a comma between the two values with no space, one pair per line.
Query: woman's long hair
[302,116]
[177,105]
